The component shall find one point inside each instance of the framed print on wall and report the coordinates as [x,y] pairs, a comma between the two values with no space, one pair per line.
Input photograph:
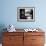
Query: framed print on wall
[26,14]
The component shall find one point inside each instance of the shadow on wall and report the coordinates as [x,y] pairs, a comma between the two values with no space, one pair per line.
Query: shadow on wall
[2,26]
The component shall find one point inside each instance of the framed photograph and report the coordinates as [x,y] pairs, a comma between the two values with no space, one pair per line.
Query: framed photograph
[26,14]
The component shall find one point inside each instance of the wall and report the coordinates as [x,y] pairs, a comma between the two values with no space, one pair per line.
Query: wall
[8,13]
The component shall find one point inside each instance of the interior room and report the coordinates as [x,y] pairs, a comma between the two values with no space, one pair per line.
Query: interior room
[9,16]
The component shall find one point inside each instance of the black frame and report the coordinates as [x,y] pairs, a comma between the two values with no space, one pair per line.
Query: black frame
[26,14]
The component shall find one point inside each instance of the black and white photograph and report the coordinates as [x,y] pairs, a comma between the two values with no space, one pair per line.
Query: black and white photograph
[26,14]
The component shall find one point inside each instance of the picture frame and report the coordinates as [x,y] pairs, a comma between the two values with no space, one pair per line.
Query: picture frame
[26,14]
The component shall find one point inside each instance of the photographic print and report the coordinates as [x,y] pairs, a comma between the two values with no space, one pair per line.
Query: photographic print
[26,14]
